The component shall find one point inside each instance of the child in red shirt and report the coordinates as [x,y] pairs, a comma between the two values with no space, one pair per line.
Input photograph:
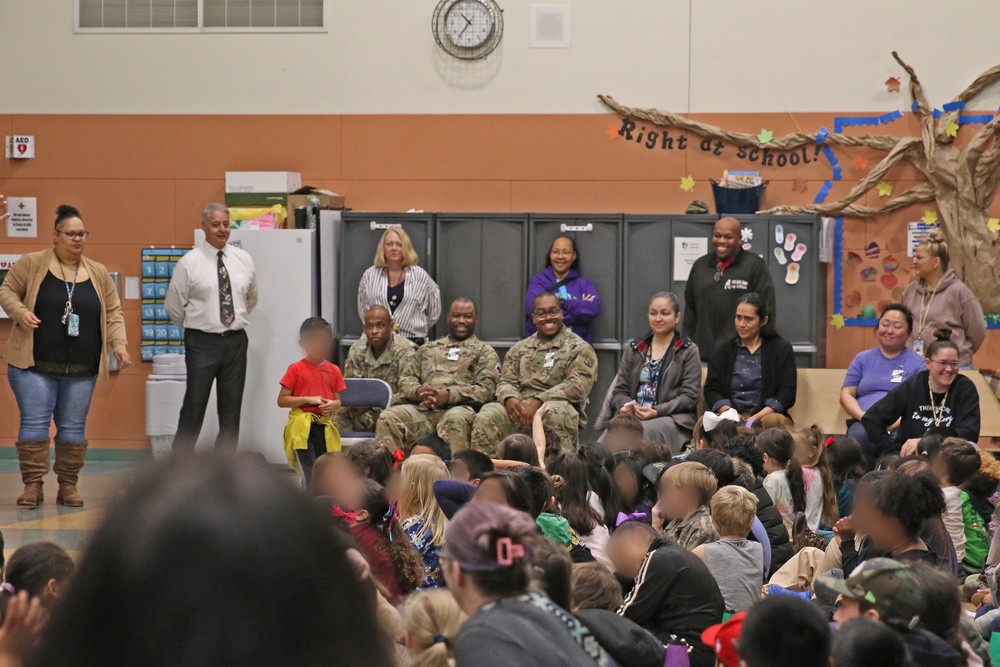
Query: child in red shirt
[311,388]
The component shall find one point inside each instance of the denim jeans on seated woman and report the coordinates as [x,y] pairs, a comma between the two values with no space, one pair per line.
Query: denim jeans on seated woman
[42,397]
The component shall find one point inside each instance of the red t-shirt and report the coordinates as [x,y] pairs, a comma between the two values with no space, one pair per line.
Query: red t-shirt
[305,378]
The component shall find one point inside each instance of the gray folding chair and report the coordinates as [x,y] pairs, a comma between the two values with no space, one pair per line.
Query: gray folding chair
[363,393]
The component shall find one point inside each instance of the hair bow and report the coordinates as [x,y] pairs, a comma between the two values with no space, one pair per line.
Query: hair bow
[641,517]
[397,457]
[8,587]
[830,440]
[712,420]
[339,513]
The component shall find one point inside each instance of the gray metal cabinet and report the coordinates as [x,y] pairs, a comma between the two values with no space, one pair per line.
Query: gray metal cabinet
[647,269]
[599,244]
[359,237]
[484,257]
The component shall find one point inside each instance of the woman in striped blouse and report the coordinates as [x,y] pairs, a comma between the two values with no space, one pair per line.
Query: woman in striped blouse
[396,282]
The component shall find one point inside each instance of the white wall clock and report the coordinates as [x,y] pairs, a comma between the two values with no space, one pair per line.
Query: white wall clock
[468,29]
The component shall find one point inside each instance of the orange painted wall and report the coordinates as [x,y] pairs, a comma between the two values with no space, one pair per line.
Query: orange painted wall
[142,180]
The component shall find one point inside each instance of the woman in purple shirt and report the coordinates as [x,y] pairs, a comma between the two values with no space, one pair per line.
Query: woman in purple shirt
[876,372]
[561,276]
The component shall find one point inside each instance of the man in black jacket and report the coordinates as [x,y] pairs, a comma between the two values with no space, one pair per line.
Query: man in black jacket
[716,283]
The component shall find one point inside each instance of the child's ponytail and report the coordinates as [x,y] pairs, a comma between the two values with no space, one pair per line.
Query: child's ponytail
[433,620]
[797,484]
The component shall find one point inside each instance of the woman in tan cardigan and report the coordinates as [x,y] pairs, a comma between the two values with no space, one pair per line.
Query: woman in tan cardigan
[66,312]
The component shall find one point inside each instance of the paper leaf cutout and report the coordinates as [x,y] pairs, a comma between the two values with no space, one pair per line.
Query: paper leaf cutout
[993,224]
[837,321]
[951,129]
[765,136]
[687,183]
[612,132]
[892,84]
[860,162]
[798,185]
[930,217]
[884,188]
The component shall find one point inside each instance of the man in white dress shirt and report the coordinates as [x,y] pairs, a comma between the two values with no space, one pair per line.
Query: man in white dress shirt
[212,292]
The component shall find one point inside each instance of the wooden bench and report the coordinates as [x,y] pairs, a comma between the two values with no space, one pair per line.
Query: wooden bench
[818,402]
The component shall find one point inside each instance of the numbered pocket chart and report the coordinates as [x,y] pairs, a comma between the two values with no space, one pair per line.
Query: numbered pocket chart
[159,334]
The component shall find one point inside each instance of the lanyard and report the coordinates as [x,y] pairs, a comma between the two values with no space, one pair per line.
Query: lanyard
[925,307]
[69,291]
[720,267]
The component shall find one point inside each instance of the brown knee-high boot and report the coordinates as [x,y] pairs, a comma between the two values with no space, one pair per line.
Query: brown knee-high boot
[69,462]
[33,455]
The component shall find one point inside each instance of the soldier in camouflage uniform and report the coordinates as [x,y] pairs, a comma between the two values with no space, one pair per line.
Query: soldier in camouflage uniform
[442,385]
[380,355]
[554,367]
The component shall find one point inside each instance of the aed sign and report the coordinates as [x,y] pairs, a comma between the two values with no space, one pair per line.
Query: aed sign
[20,147]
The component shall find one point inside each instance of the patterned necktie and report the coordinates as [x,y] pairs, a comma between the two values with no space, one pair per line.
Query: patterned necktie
[226,311]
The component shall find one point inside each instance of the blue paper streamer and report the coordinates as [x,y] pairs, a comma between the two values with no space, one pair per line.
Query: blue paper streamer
[937,113]
[836,173]
[823,192]
[954,106]
[885,119]
[821,135]
[831,158]
[914,106]
[838,260]
[975,120]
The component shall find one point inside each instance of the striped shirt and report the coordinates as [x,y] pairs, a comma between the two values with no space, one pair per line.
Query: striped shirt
[420,307]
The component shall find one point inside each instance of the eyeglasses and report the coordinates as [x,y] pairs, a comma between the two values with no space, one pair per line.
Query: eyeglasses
[75,235]
[552,312]
[948,364]
[562,253]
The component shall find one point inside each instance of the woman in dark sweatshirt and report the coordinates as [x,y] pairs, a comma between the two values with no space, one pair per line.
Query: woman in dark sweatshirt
[937,397]
[754,372]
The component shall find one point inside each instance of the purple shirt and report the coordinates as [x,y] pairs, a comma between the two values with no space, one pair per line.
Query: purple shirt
[875,375]
[577,313]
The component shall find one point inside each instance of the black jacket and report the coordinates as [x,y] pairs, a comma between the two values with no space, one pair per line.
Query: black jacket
[710,305]
[625,641]
[777,534]
[777,365]
[675,594]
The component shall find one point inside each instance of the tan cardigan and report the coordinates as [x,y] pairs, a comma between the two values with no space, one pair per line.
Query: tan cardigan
[18,294]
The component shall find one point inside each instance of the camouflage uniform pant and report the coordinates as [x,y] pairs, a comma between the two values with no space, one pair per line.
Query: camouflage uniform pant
[400,425]
[363,423]
[491,426]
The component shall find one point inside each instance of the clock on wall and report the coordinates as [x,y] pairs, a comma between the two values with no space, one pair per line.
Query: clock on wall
[468,29]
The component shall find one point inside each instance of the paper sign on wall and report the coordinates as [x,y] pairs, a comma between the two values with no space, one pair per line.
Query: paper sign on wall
[21,147]
[686,250]
[917,233]
[6,261]
[23,220]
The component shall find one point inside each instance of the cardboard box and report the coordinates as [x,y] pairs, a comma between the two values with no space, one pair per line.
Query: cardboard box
[263,181]
[327,199]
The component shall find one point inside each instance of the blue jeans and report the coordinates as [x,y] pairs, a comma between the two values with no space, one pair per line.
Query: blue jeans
[42,397]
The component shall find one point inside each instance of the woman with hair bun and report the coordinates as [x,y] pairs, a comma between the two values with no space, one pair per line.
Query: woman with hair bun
[487,563]
[66,315]
[938,299]
[937,397]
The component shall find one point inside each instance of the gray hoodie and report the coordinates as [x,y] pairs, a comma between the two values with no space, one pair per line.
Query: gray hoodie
[953,306]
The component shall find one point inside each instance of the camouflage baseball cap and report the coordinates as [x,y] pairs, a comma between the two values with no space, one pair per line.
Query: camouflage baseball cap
[885,585]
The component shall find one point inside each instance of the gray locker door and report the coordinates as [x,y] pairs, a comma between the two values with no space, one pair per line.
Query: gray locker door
[801,307]
[608,358]
[359,237]
[484,258]
[647,269]
[599,244]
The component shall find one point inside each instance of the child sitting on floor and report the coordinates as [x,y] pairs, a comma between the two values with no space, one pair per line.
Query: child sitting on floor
[468,465]
[736,562]
[956,462]
[311,388]
[821,497]
[685,490]
[673,595]
[422,519]
[433,620]
[622,433]
[784,482]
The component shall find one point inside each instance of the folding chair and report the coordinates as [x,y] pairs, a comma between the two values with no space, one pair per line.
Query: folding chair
[363,393]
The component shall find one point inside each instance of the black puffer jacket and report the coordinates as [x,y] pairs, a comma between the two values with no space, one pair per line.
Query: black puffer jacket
[781,545]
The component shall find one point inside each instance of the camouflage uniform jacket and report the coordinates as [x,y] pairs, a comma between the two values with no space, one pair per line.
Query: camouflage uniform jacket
[561,369]
[361,363]
[468,369]
[693,530]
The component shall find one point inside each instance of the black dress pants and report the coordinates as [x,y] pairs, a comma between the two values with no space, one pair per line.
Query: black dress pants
[213,358]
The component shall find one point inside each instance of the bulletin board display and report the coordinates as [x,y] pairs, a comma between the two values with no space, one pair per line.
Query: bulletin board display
[159,334]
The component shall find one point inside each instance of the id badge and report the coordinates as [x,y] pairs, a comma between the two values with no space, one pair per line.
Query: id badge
[550,359]
[453,354]
[918,347]
[897,376]
[73,325]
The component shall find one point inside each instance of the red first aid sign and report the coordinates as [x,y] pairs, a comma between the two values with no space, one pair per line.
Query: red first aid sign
[21,147]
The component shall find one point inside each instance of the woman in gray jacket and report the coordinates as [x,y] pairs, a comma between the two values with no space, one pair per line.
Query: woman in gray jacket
[659,378]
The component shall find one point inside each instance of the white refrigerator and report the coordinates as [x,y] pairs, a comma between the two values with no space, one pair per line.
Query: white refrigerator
[296,271]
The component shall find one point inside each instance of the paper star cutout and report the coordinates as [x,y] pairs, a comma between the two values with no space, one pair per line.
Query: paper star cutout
[612,132]
[951,129]
[765,136]
[930,217]
[993,224]
[884,188]
[798,185]
[837,321]
[860,162]
[892,84]
[687,183]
